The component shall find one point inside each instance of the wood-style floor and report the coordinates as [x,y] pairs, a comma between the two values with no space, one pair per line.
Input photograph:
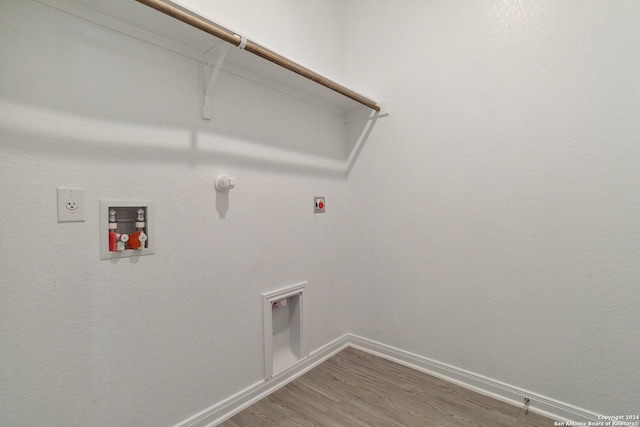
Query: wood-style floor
[354,388]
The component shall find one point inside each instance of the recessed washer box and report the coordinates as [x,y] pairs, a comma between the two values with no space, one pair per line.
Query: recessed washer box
[283,332]
[122,234]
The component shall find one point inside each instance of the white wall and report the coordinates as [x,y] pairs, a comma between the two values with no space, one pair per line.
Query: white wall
[496,210]
[310,32]
[489,222]
[150,340]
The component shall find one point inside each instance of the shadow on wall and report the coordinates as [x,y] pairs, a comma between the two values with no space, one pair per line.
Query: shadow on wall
[60,134]
[111,98]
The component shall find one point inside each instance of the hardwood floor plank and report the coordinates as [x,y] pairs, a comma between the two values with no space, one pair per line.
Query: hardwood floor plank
[357,389]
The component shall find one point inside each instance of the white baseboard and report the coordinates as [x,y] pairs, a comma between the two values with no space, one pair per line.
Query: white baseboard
[224,410]
[551,408]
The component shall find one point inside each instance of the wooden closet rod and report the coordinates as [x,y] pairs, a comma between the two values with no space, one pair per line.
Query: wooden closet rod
[256,49]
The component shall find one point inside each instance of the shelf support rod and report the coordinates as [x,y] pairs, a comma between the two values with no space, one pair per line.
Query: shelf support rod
[210,82]
[256,49]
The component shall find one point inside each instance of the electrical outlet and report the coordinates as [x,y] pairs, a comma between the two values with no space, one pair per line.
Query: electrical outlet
[70,204]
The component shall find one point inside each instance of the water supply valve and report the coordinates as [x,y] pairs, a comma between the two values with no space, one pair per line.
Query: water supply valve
[126,228]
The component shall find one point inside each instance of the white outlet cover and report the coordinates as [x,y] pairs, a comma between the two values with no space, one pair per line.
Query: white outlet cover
[70,204]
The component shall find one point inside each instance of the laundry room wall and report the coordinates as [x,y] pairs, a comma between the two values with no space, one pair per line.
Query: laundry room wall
[152,340]
[495,209]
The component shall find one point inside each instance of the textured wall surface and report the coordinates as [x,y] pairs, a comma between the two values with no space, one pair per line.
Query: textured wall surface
[150,340]
[310,32]
[489,223]
[496,209]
